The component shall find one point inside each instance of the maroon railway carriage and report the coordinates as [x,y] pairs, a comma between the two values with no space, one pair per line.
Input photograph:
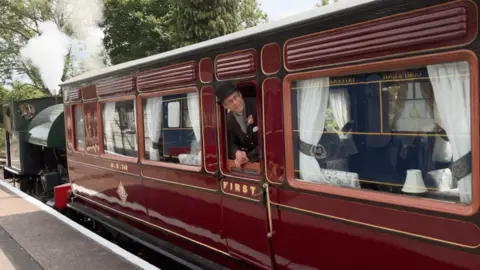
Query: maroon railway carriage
[369,136]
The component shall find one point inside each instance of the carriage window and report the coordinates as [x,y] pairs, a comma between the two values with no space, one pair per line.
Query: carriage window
[119,128]
[402,131]
[79,132]
[241,127]
[172,129]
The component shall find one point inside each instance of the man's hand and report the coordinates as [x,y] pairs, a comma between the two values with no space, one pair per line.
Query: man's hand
[240,158]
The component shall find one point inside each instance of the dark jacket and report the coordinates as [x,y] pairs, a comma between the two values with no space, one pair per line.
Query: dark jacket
[237,140]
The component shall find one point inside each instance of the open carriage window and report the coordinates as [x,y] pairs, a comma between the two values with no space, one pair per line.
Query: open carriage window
[401,131]
[239,103]
[119,128]
[172,129]
[79,127]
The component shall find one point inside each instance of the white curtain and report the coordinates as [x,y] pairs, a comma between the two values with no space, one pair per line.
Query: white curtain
[194,113]
[339,100]
[340,104]
[451,86]
[442,150]
[108,122]
[154,112]
[312,100]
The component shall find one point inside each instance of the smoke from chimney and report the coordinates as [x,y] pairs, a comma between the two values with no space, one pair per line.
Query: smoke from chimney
[48,50]
[47,53]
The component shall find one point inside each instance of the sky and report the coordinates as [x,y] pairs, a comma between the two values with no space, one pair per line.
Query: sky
[278,9]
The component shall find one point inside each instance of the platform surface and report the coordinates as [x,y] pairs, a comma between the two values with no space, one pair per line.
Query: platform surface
[31,239]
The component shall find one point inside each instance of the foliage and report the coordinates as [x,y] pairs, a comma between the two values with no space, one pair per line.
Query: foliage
[324,3]
[140,28]
[19,23]
[135,28]
[19,91]
[251,14]
[194,20]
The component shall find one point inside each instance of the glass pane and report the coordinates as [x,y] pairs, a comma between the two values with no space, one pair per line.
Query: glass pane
[403,131]
[168,140]
[119,128]
[174,114]
[79,131]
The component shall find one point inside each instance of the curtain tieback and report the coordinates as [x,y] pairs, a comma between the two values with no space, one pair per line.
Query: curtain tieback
[155,145]
[444,133]
[461,167]
[316,151]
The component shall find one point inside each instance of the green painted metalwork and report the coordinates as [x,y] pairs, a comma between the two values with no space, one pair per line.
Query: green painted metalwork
[47,128]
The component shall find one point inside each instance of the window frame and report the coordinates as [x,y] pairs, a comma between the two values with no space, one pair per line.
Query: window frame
[224,164]
[378,196]
[102,138]
[85,128]
[76,148]
[141,129]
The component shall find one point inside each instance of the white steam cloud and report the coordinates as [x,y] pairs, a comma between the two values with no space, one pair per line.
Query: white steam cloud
[84,16]
[48,50]
[47,53]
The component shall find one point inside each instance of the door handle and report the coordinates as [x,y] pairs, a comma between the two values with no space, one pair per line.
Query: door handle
[269,210]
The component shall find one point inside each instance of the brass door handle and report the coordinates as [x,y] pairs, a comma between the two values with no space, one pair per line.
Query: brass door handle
[269,210]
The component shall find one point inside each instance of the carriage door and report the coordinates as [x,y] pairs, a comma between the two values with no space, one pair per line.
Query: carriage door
[245,216]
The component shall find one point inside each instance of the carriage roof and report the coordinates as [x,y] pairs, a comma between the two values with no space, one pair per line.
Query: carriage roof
[314,13]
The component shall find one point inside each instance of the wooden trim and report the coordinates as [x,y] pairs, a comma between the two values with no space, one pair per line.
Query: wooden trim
[459,55]
[153,93]
[264,136]
[471,20]
[169,165]
[144,222]
[200,70]
[76,148]
[114,99]
[100,128]
[279,56]
[87,153]
[235,77]
[140,130]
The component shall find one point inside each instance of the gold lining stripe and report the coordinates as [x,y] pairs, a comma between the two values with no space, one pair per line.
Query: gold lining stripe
[202,115]
[377,227]
[175,183]
[264,133]
[261,59]
[383,134]
[378,81]
[153,225]
[366,181]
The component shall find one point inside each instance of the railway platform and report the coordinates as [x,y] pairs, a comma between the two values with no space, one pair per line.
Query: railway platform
[36,237]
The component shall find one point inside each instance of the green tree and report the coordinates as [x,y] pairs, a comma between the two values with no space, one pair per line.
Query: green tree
[22,91]
[19,23]
[135,29]
[324,3]
[140,28]
[195,21]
